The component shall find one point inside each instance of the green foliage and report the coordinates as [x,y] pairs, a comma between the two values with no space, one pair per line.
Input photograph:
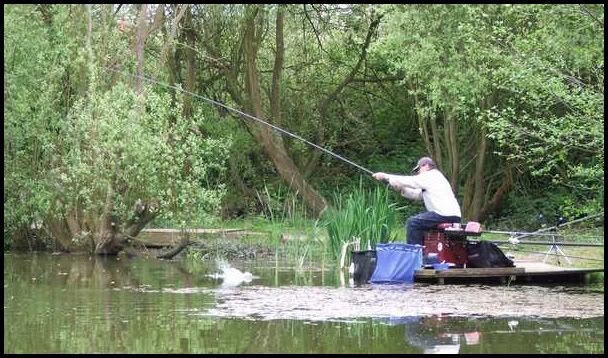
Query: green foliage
[142,158]
[597,279]
[282,205]
[520,211]
[363,214]
[552,117]
[33,106]
[73,157]
[530,76]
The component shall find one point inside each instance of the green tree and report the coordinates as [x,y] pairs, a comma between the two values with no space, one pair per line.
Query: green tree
[551,120]
[477,72]
[96,169]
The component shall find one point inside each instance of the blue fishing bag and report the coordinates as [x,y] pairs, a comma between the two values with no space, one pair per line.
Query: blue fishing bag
[396,262]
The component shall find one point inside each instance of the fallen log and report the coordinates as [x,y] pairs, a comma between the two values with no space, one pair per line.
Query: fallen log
[174,251]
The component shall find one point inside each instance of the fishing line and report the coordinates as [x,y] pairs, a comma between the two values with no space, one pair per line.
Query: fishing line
[244,114]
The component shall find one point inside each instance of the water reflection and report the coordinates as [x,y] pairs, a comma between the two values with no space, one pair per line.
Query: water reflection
[431,335]
[440,334]
[81,304]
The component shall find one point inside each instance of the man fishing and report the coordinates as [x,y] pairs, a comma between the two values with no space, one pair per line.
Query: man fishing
[431,186]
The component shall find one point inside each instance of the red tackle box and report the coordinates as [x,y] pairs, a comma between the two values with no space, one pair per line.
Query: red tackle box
[452,250]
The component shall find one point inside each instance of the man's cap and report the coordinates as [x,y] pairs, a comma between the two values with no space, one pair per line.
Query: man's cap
[424,161]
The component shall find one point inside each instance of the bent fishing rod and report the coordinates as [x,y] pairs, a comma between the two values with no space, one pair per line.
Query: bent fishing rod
[152,80]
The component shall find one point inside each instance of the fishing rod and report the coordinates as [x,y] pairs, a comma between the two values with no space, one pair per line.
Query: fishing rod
[559,226]
[522,233]
[245,115]
[514,239]
[542,243]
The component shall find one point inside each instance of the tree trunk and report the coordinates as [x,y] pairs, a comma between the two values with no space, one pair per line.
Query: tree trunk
[112,237]
[190,55]
[108,228]
[169,55]
[143,31]
[467,196]
[494,205]
[452,146]
[479,182]
[437,157]
[58,230]
[84,70]
[273,143]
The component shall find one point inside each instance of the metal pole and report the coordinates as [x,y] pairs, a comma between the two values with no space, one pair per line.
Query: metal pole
[557,226]
[576,257]
[513,233]
[542,243]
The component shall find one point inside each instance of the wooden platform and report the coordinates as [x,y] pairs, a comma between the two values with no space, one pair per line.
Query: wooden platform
[524,271]
[171,237]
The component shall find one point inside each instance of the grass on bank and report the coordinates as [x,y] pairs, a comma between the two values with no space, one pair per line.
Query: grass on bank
[368,215]
[365,214]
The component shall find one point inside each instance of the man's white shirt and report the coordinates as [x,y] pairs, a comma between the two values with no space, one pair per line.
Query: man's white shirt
[431,187]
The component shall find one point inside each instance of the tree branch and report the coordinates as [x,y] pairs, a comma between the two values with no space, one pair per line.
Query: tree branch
[117,9]
[324,106]
[591,15]
[314,30]
[275,97]
[159,19]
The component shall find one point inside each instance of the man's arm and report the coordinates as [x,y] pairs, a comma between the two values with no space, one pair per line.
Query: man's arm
[399,182]
[415,194]
[402,181]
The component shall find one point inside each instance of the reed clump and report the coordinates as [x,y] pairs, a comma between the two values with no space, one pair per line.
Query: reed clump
[362,214]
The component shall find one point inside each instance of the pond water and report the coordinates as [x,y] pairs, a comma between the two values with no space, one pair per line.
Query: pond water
[82,304]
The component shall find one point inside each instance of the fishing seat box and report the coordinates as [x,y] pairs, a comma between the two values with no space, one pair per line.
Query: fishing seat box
[448,242]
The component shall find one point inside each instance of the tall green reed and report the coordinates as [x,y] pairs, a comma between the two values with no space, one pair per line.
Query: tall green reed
[287,213]
[364,214]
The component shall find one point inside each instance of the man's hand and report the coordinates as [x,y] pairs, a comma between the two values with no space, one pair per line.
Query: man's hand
[379,176]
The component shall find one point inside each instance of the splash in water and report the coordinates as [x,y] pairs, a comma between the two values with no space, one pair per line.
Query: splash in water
[231,277]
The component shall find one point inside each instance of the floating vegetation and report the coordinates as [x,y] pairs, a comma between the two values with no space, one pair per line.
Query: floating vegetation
[329,303]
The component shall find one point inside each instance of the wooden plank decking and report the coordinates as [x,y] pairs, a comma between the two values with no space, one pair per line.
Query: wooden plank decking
[526,271]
